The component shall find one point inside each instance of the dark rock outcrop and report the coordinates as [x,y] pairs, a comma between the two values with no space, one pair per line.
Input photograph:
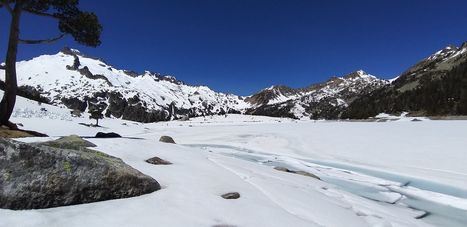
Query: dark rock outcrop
[140,113]
[131,73]
[34,176]
[74,104]
[166,139]
[28,92]
[117,105]
[76,64]
[85,72]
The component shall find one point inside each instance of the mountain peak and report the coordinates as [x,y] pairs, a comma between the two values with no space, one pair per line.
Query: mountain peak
[69,51]
[444,53]
[357,74]
[277,87]
[464,45]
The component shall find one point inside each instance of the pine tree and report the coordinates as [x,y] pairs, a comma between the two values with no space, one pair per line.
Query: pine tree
[84,27]
[96,114]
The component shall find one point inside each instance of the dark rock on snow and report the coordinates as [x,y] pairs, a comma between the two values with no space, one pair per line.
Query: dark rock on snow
[107,135]
[166,139]
[34,176]
[158,161]
[231,195]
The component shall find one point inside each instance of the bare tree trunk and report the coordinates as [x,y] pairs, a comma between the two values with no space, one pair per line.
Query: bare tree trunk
[9,98]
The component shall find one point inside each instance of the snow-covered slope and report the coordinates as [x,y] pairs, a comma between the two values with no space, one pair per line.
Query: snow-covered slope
[399,173]
[74,80]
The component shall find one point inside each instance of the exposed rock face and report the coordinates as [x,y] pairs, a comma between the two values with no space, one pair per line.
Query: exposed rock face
[141,114]
[28,92]
[34,176]
[158,161]
[166,139]
[231,195]
[117,105]
[107,135]
[74,104]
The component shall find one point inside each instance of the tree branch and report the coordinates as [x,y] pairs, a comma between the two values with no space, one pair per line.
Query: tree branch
[41,13]
[7,6]
[48,15]
[39,41]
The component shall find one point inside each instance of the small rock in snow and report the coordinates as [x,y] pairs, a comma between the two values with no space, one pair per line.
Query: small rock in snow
[158,161]
[231,195]
[166,139]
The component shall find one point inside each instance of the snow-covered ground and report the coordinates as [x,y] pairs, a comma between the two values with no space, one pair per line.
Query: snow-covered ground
[397,173]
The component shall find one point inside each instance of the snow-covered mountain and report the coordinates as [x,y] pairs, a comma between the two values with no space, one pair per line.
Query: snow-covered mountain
[79,82]
[322,100]
[272,95]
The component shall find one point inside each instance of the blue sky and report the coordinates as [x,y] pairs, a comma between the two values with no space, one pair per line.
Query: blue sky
[242,46]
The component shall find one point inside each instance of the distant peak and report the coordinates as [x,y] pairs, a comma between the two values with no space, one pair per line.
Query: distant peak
[272,87]
[361,72]
[357,74]
[70,51]
[445,52]
[450,47]
[269,88]
[277,87]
